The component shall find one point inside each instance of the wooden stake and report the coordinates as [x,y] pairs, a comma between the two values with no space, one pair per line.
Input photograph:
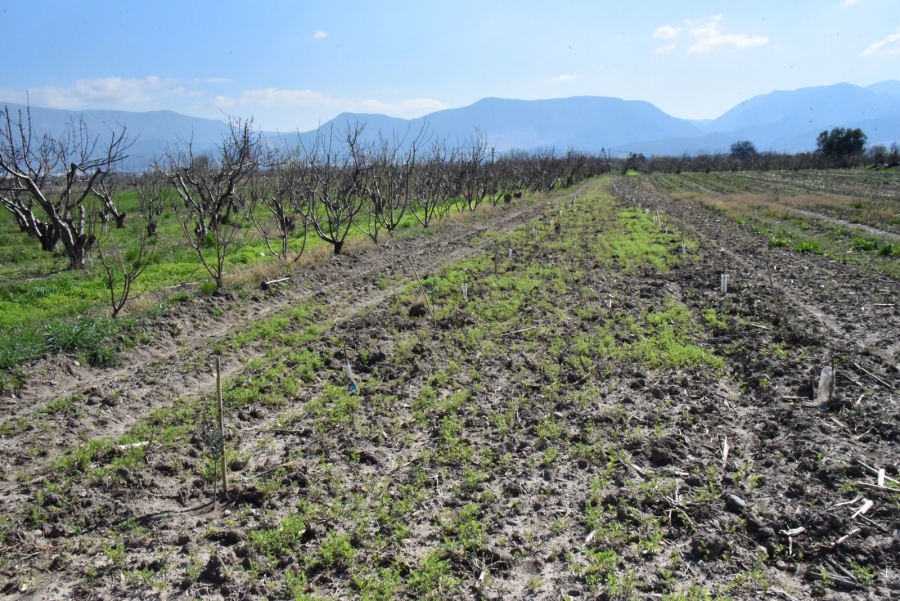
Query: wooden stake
[429,300]
[775,300]
[221,423]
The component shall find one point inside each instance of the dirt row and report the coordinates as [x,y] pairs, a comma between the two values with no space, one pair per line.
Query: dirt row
[178,361]
[839,315]
[874,231]
[588,425]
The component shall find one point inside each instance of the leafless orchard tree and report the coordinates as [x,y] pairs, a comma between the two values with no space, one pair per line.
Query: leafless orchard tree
[541,174]
[432,185]
[338,168]
[45,180]
[124,267]
[471,183]
[151,189]
[280,189]
[213,202]
[497,182]
[105,188]
[389,187]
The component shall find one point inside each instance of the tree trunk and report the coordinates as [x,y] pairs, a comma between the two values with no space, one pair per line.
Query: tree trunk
[79,251]
[48,236]
[201,230]
[76,241]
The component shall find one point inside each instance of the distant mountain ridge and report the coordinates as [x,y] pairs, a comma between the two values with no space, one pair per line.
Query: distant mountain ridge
[152,132]
[784,121]
[582,122]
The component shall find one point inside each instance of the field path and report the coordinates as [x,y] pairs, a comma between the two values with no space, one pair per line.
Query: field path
[857,307]
[874,231]
[178,362]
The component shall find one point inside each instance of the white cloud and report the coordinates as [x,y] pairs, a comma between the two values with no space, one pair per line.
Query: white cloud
[129,94]
[320,35]
[850,3]
[562,78]
[664,49]
[221,102]
[277,99]
[107,92]
[665,32]
[708,37]
[273,97]
[184,93]
[888,46]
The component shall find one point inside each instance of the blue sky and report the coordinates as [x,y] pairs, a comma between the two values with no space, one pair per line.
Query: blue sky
[293,64]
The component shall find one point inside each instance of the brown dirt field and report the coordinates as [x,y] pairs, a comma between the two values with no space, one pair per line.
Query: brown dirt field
[591,423]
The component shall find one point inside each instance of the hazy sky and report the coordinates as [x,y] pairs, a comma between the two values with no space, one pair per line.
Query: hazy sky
[292,64]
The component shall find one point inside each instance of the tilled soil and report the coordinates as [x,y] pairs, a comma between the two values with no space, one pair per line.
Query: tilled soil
[587,424]
[177,361]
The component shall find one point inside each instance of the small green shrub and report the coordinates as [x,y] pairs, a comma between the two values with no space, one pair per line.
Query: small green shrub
[179,298]
[76,335]
[808,246]
[889,250]
[864,244]
[104,356]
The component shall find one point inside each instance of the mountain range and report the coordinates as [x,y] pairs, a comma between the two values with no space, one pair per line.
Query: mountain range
[783,121]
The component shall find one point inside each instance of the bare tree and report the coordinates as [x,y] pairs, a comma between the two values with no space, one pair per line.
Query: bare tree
[281,190]
[151,190]
[540,170]
[432,186]
[389,186]
[104,188]
[213,202]
[45,180]
[470,177]
[123,268]
[337,180]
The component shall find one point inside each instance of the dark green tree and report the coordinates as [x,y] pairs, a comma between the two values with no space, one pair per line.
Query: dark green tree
[743,149]
[840,142]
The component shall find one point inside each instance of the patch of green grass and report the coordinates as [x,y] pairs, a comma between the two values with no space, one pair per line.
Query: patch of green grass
[462,529]
[433,575]
[60,405]
[692,593]
[864,574]
[633,240]
[657,339]
[104,356]
[281,541]
[808,246]
[864,244]
[889,250]
[336,550]
[378,585]
[712,320]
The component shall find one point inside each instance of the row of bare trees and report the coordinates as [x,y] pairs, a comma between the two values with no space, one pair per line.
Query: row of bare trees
[342,183]
[61,190]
